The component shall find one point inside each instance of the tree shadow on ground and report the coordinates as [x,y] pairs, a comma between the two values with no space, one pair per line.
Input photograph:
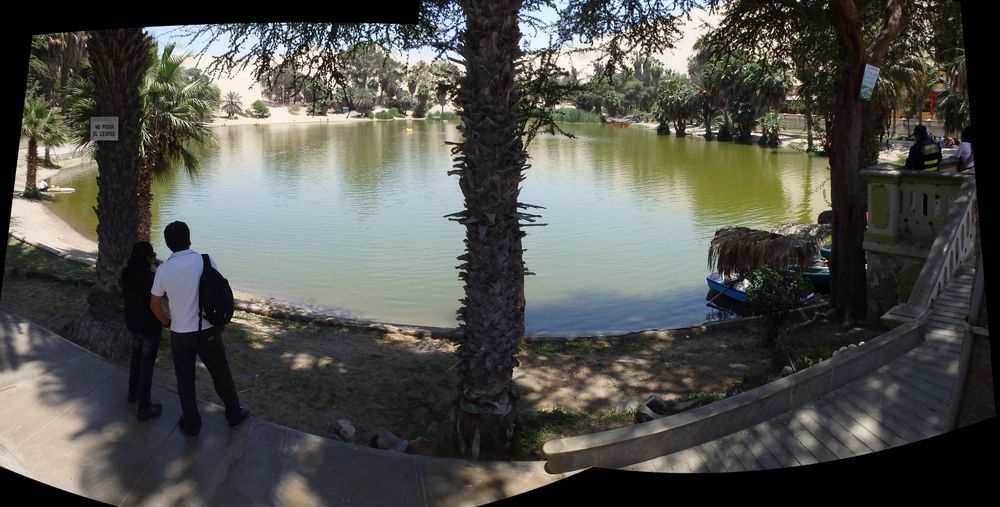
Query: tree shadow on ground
[67,424]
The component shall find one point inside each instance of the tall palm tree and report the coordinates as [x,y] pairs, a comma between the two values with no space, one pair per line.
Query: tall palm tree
[55,133]
[34,122]
[55,59]
[118,61]
[231,104]
[38,70]
[169,124]
[170,127]
[677,102]
[490,161]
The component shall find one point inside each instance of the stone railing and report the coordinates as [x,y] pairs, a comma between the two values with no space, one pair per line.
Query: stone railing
[953,245]
[911,213]
[910,206]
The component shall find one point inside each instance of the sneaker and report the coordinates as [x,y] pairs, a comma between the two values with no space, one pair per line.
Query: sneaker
[149,412]
[244,413]
[186,428]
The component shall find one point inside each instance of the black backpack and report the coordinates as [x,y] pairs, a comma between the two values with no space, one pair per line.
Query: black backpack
[215,297]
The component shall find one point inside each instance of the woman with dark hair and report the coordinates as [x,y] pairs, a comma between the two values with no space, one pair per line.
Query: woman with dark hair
[136,282]
[964,154]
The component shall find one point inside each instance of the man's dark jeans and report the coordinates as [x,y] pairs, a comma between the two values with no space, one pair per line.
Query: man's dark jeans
[140,372]
[208,346]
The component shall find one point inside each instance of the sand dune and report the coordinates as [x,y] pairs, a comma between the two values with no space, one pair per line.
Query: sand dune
[243,83]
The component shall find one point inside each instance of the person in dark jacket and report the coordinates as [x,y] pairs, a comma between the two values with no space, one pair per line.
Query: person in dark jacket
[136,282]
[925,154]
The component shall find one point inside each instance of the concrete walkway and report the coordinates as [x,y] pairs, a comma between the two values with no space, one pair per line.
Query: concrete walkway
[64,421]
[907,400]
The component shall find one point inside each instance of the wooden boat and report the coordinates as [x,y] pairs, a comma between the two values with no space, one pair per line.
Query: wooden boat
[726,287]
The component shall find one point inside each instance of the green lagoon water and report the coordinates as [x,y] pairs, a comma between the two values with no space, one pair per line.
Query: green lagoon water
[349,218]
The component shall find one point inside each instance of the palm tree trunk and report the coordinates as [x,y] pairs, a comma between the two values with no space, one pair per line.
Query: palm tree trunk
[707,112]
[118,59]
[31,175]
[490,161]
[145,202]
[809,129]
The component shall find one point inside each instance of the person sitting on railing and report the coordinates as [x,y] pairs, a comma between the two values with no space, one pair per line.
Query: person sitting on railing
[925,154]
[964,154]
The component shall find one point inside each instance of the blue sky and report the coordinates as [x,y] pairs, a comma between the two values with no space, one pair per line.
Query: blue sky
[163,35]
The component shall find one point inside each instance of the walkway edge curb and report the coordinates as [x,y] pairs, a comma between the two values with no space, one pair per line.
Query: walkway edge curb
[641,442]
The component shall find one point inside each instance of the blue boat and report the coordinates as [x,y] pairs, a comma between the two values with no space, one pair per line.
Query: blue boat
[722,286]
[719,284]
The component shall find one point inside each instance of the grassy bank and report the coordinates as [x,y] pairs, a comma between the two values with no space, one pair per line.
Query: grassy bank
[573,115]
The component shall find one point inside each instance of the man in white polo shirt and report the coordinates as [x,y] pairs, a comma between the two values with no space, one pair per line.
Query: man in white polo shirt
[178,279]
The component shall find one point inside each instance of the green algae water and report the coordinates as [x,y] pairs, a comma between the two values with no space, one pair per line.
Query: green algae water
[348,218]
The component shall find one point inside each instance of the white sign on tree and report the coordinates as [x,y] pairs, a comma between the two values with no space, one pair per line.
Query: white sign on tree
[104,128]
[868,82]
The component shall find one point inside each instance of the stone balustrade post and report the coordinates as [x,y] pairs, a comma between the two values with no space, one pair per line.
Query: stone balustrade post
[906,211]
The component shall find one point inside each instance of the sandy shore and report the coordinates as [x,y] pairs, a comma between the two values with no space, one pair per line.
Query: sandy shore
[280,116]
[33,222]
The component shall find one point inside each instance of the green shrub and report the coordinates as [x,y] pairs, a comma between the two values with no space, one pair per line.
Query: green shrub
[259,109]
[388,114]
[318,108]
[772,293]
[294,109]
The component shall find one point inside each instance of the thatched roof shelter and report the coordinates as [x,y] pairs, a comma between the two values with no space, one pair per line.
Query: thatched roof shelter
[817,233]
[737,251]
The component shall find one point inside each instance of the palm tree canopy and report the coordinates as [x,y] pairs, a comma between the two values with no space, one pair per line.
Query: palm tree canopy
[232,104]
[54,132]
[171,110]
[738,251]
[35,118]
